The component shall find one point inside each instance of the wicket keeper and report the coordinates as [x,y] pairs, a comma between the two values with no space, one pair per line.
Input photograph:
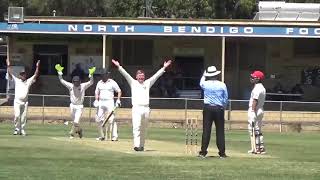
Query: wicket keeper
[104,101]
[77,92]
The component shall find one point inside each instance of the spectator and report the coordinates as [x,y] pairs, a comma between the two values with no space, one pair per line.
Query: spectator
[169,84]
[78,71]
[278,88]
[297,89]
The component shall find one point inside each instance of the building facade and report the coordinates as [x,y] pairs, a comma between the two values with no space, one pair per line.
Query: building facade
[287,52]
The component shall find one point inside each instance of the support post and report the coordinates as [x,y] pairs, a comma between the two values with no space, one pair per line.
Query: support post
[104,41]
[9,58]
[280,127]
[223,47]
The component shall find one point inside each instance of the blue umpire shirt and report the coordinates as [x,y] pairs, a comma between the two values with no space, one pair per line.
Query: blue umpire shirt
[215,92]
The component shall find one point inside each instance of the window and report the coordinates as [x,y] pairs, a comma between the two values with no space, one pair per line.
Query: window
[252,56]
[50,55]
[133,52]
[307,47]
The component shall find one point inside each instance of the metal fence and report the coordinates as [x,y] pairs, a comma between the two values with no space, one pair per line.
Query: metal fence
[277,113]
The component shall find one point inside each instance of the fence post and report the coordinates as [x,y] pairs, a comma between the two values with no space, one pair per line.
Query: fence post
[229,115]
[280,116]
[185,110]
[42,109]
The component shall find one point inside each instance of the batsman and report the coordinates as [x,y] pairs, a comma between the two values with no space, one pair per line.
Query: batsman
[77,92]
[256,112]
[104,102]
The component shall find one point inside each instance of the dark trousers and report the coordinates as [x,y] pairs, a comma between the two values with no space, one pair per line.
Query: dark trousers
[213,114]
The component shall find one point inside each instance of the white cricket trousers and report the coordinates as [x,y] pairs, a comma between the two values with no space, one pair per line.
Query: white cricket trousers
[20,115]
[257,119]
[140,116]
[104,109]
[76,112]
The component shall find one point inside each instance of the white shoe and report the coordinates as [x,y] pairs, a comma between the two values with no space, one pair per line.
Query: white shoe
[15,132]
[100,138]
[71,137]
[263,151]
[23,132]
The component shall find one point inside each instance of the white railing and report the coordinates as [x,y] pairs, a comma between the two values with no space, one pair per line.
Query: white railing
[276,111]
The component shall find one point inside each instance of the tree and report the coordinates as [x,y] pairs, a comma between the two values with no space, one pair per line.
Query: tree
[244,9]
[3,8]
[128,8]
[183,9]
[219,9]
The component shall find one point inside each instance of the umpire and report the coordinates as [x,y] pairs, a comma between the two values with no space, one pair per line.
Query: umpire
[215,101]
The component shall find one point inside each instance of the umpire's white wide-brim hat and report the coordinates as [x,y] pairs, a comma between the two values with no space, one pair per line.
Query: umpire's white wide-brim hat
[211,71]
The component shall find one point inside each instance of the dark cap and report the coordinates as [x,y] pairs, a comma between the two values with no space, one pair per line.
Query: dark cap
[105,71]
[22,71]
[75,78]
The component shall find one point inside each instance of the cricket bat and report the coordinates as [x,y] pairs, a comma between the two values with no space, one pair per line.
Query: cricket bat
[253,139]
[108,117]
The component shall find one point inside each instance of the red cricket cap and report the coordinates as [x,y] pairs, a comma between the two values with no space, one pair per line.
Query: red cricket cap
[257,74]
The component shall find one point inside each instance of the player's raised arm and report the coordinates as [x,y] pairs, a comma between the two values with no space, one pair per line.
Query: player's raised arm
[154,78]
[32,79]
[9,69]
[91,81]
[36,73]
[123,71]
[59,69]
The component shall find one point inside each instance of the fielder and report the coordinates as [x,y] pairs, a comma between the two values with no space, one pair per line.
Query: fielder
[140,101]
[21,91]
[77,92]
[256,112]
[104,101]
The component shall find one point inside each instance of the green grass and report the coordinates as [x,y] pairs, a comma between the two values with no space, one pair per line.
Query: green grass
[41,156]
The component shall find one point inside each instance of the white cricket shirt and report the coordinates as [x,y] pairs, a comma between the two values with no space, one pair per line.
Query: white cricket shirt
[140,91]
[258,93]
[76,93]
[21,89]
[106,90]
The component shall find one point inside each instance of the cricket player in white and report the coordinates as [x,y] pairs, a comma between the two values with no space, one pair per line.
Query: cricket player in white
[256,112]
[77,92]
[21,91]
[140,101]
[104,101]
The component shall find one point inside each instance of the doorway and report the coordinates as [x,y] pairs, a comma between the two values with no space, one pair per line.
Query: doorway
[188,72]
[50,55]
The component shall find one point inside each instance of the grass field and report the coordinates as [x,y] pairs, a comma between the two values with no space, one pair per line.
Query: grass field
[47,153]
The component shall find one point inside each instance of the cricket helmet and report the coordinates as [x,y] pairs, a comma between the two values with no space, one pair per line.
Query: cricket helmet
[257,75]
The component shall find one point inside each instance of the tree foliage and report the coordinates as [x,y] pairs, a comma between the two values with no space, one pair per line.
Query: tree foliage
[222,9]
